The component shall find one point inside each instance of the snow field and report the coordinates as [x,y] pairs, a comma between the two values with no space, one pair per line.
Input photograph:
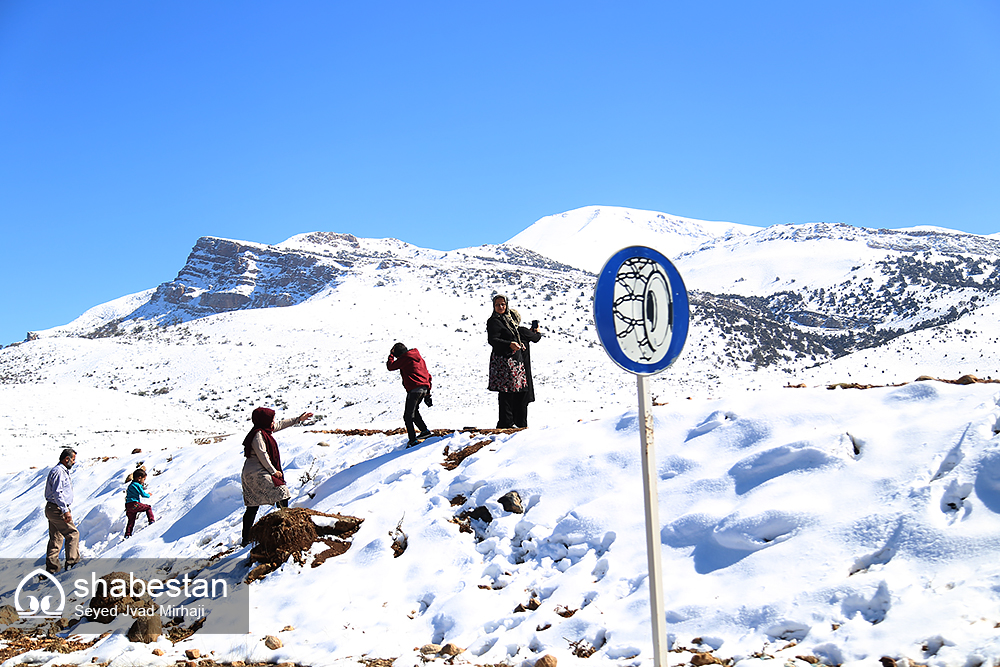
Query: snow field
[844,524]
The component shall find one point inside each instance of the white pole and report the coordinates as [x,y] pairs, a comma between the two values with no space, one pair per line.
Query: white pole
[657,612]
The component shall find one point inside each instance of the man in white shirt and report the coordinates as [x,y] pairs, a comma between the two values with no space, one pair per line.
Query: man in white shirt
[58,498]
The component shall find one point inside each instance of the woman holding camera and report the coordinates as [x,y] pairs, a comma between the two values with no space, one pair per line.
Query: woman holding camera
[528,336]
[508,376]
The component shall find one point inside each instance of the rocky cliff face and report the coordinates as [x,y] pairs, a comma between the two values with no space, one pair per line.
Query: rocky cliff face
[222,275]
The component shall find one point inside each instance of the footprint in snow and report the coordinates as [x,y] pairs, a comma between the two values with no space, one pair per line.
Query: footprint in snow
[952,458]
[953,500]
[767,465]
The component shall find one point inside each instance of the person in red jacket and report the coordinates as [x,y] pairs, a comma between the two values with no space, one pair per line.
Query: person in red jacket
[417,382]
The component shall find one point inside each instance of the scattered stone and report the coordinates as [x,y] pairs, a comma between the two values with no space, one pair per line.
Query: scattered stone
[238,663]
[565,611]
[481,514]
[451,649]
[192,654]
[8,615]
[110,598]
[533,604]
[137,451]
[547,660]
[511,502]
[287,628]
[811,659]
[700,659]
[61,624]
[145,629]
[430,649]
[272,642]
[157,651]
[322,444]
[886,660]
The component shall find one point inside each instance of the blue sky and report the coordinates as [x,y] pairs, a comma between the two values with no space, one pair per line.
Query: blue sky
[128,128]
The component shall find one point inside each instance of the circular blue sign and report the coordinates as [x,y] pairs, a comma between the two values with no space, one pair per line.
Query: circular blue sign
[641,310]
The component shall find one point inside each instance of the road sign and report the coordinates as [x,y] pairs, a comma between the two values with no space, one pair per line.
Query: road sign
[641,310]
[641,313]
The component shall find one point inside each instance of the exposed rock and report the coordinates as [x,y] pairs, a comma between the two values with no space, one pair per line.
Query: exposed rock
[699,659]
[272,642]
[547,660]
[481,514]
[533,604]
[430,649]
[146,629]
[8,615]
[511,502]
[192,654]
[158,651]
[451,649]
[111,599]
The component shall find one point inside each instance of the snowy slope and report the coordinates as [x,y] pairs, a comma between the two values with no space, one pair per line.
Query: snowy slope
[845,525]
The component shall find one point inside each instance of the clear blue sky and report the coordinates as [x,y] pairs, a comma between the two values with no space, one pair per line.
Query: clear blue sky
[129,128]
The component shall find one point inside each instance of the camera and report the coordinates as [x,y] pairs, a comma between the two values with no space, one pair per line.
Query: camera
[534,324]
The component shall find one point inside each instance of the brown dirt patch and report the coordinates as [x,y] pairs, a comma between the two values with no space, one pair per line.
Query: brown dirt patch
[965,379]
[453,459]
[291,533]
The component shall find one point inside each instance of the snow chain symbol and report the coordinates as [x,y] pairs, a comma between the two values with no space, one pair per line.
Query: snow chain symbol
[643,309]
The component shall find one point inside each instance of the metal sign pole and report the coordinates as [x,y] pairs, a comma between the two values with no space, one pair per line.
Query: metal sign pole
[641,313]
[657,612]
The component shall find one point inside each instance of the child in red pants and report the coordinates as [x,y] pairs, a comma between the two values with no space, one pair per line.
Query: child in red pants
[136,490]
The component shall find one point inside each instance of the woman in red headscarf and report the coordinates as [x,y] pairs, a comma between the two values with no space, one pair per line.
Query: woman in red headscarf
[263,481]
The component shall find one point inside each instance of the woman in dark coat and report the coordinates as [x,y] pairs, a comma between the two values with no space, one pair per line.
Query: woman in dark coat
[507,373]
[527,336]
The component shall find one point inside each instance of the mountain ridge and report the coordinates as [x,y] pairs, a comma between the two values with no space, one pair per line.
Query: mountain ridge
[786,303]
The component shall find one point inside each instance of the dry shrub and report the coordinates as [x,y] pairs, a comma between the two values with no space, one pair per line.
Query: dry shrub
[291,533]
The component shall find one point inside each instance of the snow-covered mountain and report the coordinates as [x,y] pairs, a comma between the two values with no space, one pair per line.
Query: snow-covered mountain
[586,237]
[835,525]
